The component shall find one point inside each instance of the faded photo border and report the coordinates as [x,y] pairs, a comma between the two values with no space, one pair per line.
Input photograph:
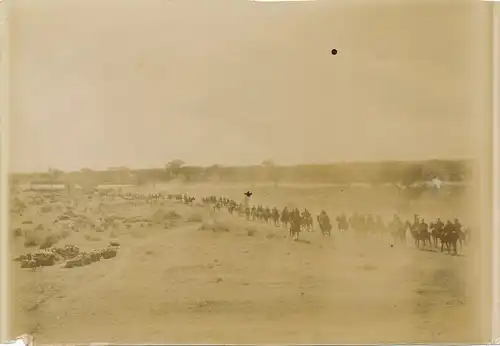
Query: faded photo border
[4,175]
[496,176]
[491,161]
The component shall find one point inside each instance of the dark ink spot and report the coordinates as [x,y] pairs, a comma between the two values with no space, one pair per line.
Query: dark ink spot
[334,51]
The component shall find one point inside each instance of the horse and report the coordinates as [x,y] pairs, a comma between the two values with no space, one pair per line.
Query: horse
[342,224]
[435,233]
[254,213]
[276,216]
[295,229]
[217,206]
[398,232]
[266,215]
[324,225]
[450,240]
[285,217]
[307,222]
[419,235]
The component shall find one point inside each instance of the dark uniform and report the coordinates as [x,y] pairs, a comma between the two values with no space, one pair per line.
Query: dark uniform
[438,226]
[448,229]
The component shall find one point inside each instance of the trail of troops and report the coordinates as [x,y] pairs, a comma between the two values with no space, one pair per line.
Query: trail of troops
[426,235]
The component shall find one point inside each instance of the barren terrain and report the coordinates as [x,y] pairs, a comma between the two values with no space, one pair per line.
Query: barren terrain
[189,274]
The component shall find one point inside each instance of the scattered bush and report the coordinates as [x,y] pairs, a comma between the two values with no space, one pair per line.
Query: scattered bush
[17,232]
[251,231]
[90,237]
[46,208]
[52,239]
[215,226]
[161,216]
[31,241]
[195,217]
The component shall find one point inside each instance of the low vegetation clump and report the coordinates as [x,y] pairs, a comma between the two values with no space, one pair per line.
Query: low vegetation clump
[195,217]
[44,241]
[70,254]
[251,231]
[215,226]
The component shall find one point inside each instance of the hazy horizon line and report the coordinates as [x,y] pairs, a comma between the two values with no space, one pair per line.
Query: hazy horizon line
[186,164]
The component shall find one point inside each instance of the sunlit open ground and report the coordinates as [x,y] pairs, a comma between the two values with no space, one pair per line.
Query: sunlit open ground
[244,282]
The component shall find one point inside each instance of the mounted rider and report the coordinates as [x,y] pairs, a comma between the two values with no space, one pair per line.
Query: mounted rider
[448,229]
[324,221]
[438,225]
[306,213]
[423,227]
[379,224]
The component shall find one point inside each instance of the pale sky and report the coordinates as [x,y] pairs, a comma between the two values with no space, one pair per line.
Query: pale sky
[138,83]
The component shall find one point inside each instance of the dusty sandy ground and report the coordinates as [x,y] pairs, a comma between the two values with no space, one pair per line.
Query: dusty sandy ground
[186,284]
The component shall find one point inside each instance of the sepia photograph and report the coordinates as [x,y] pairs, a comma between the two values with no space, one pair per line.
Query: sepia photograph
[194,171]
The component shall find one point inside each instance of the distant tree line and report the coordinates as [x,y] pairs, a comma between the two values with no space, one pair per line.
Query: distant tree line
[397,172]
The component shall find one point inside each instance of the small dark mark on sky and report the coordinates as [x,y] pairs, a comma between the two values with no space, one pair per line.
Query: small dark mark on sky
[334,51]
[248,193]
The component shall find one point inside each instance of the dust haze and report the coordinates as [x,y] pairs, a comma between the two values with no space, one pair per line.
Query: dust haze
[207,171]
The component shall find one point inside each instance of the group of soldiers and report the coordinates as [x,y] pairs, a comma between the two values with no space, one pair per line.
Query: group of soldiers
[150,197]
[293,219]
[433,233]
[447,234]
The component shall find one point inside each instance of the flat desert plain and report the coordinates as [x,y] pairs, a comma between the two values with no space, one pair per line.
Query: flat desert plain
[187,273]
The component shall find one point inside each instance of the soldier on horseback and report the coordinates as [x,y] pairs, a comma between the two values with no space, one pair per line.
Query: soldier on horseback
[285,216]
[439,224]
[436,230]
[342,223]
[370,223]
[419,231]
[355,222]
[414,226]
[254,212]
[448,228]
[459,230]
[307,219]
[276,216]
[295,222]
[423,228]
[324,223]
[457,225]
[398,229]
[449,237]
[267,214]
[362,223]
[260,212]
[379,225]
